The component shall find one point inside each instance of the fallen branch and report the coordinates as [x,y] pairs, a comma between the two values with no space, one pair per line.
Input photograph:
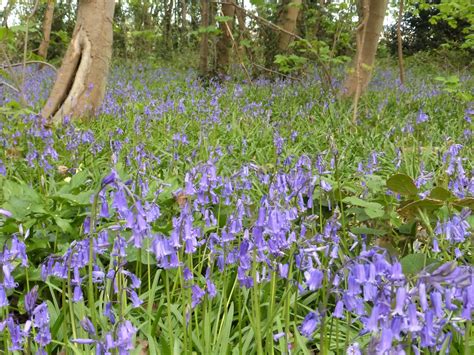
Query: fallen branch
[275,72]
[29,63]
[9,86]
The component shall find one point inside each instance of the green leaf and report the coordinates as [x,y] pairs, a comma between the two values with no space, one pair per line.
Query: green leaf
[412,264]
[440,193]
[63,224]
[369,231]
[402,184]
[223,18]
[411,209]
[81,199]
[465,202]
[373,209]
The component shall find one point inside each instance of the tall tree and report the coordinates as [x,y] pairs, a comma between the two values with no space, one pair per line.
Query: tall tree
[6,12]
[400,42]
[287,21]
[204,46]
[371,14]
[224,43]
[80,84]
[47,23]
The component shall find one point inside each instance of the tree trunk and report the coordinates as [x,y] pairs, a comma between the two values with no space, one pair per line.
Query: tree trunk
[369,30]
[167,24]
[400,43]
[204,46]
[184,22]
[80,84]
[288,19]
[47,22]
[224,43]
[6,12]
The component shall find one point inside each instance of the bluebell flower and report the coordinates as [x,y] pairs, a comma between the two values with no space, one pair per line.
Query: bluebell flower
[125,333]
[197,295]
[309,324]
[314,279]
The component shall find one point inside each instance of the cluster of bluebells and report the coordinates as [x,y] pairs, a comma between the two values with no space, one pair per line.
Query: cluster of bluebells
[249,216]
[11,257]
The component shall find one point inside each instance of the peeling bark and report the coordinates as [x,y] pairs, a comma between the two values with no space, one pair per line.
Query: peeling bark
[359,77]
[47,22]
[80,84]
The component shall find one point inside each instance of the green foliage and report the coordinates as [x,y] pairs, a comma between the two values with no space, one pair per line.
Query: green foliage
[427,25]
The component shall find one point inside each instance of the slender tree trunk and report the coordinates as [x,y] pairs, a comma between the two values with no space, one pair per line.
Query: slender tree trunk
[224,43]
[184,22]
[6,13]
[80,84]
[244,51]
[288,20]
[47,22]
[204,47]
[167,23]
[368,34]
[400,43]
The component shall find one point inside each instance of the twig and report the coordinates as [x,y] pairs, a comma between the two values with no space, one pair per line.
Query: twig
[14,77]
[278,28]
[236,49]
[9,86]
[275,72]
[25,46]
[30,62]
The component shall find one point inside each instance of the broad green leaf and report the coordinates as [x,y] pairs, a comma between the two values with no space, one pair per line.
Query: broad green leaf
[411,209]
[369,231]
[412,264]
[373,209]
[402,184]
[82,198]
[439,193]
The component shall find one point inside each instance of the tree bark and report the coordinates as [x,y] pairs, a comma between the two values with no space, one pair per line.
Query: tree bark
[359,77]
[6,13]
[288,19]
[47,22]
[224,43]
[204,46]
[167,24]
[80,84]
[400,43]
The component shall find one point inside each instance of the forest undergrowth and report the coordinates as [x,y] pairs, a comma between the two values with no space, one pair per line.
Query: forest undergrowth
[239,218]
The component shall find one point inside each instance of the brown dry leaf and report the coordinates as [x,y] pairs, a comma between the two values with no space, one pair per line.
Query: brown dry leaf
[13,153]
[63,170]
[181,199]
[143,345]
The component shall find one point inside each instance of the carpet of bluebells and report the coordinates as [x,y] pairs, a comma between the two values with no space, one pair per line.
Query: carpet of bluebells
[238,218]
